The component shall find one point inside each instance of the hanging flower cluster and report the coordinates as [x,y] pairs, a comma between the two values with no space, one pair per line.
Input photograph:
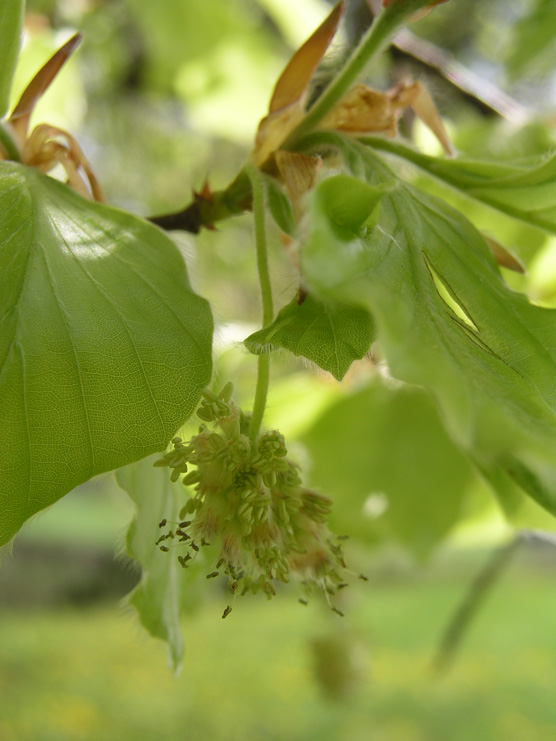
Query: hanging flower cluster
[250,503]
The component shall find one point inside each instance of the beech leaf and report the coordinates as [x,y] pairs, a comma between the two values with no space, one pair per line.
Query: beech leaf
[524,189]
[445,319]
[11,25]
[401,477]
[330,334]
[104,347]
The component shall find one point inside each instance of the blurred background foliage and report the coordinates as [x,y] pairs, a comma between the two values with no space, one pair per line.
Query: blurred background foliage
[161,96]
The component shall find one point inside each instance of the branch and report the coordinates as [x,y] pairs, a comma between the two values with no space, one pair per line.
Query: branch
[209,207]
[471,84]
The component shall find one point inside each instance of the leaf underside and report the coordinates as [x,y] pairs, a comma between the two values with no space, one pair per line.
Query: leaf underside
[103,345]
[165,588]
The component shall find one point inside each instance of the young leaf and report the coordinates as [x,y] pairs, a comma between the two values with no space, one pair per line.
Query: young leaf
[330,334]
[448,322]
[525,190]
[11,25]
[159,596]
[385,457]
[104,347]
[280,206]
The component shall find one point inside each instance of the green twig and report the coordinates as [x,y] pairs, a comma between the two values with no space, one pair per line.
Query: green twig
[263,373]
[236,198]
[372,44]
[8,145]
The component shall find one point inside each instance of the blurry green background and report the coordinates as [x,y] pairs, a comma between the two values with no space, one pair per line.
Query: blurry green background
[160,96]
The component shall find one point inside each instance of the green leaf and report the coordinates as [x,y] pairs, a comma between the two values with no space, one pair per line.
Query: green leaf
[280,206]
[11,26]
[523,189]
[104,347]
[330,334]
[447,322]
[160,595]
[534,41]
[385,458]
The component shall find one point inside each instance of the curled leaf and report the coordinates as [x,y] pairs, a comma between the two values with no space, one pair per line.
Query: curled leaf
[364,110]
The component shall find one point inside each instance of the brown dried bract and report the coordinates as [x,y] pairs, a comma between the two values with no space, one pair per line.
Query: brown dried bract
[502,256]
[48,146]
[287,105]
[364,110]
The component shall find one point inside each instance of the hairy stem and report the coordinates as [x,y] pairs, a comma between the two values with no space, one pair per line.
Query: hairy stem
[236,198]
[263,370]
[372,44]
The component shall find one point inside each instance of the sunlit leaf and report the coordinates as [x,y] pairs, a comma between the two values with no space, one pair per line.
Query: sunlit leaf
[446,320]
[103,346]
[384,456]
[524,189]
[330,334]
[11,25]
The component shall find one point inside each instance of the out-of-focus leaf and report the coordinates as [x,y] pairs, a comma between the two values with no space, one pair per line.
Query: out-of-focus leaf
[384,456]
[446,320]
[160,595]
[534,40]
[104,347]
[11,25]
[330,334]
[524,189]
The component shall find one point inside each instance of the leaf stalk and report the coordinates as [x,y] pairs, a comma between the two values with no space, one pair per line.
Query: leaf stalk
[263,369]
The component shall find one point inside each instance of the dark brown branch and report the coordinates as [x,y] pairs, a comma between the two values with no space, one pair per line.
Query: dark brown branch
[188,220]
[209,207]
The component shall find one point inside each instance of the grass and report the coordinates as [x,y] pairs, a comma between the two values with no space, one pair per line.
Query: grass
[92,674]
